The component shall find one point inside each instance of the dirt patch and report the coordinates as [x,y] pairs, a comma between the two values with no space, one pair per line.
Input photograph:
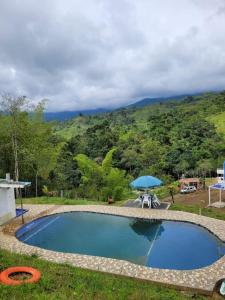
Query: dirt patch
[21,276]
[200,197]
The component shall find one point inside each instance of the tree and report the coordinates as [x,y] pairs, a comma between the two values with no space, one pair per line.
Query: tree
[182,167]
[15,125]
[92,174]
[152,156]
[99,139]
[130,161]
[41,155]
[66,174]
[107,162]
[6,154]
[104,179]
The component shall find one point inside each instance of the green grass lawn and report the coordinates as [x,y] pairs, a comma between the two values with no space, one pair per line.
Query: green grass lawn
[59,201]
[66,201]
[66,282]
[217,213]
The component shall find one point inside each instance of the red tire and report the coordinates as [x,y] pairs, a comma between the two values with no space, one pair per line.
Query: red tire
[5,275]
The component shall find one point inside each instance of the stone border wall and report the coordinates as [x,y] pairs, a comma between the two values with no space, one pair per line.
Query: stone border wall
[202,280]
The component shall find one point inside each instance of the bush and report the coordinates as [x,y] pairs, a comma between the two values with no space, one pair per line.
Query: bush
[118,193]
[70,194]
[49,193]
[45,190]
[106,193]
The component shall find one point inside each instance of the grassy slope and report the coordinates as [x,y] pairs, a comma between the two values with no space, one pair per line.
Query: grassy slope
[201,105]
[66,282]
[80,124]
[219,121]
[75,126]
[72,130]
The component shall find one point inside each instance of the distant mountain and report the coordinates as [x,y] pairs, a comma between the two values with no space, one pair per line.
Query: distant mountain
[66,115]
[149,101]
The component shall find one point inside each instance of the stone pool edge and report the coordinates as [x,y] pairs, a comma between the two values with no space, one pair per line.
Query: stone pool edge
[202,280]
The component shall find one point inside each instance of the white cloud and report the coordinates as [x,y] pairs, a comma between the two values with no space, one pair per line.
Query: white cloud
[88,54]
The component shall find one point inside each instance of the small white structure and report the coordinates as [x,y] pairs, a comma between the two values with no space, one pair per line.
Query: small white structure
[220,175]
[220,185]
[7,198]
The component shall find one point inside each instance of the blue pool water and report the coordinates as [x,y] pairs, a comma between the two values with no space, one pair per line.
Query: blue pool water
[159,244]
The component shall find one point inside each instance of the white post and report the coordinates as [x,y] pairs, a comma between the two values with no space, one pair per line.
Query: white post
[209,197]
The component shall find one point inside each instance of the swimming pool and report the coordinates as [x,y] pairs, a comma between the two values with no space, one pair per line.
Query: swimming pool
[153,243]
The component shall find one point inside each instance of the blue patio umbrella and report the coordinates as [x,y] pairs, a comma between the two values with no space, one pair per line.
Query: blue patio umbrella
[146,182]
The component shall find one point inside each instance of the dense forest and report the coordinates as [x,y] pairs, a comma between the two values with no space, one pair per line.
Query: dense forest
[97,156]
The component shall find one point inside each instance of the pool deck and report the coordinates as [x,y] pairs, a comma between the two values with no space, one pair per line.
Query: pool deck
[137,204]
[202,280]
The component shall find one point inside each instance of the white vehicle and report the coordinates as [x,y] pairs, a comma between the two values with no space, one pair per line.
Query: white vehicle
[188,189]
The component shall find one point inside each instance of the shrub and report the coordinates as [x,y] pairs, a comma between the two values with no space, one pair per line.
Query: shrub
[118,193]
[49,193]
[106,193]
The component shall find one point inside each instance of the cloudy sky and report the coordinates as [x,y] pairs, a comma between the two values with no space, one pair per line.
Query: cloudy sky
[106,53]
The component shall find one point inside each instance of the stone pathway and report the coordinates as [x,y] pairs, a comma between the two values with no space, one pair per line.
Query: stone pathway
[202,280]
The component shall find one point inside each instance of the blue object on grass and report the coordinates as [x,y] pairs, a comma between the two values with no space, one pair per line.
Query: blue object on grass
[20,211]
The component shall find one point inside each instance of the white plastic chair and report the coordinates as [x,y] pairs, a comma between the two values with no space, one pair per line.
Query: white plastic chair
[146,200]
[155,201]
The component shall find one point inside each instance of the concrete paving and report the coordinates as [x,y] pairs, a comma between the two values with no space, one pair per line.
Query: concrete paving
[137,204]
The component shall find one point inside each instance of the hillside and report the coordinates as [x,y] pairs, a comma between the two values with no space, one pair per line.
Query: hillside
[219,122]
[68,115]
[150,101]
[97,156]
[164,139]
[76,126]
[140,115]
